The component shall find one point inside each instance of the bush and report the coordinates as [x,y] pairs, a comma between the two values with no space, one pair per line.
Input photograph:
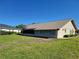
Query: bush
[3,33]
[70,35]
[65,35]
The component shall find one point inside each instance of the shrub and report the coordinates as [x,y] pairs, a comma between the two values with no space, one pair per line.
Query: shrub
[65,35]
[3,33]
[70,35]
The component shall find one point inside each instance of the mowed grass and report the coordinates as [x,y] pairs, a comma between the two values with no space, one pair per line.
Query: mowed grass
[24,47]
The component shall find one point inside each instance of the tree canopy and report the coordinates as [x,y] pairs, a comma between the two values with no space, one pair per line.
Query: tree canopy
[20,26]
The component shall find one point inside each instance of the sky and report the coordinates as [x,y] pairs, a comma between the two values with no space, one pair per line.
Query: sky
[14,12]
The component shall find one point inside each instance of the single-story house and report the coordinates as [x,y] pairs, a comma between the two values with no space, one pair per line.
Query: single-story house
[7,28]
[57,29]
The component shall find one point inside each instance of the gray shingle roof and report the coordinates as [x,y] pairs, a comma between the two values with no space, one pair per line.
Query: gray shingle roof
[47,26]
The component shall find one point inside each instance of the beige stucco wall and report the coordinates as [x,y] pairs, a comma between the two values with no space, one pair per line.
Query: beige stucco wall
[65,30]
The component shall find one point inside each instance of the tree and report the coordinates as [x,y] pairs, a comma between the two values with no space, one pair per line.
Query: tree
[33,23]
[20,26]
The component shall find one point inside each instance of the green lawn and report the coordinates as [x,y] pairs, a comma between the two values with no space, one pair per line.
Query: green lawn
[24,47]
